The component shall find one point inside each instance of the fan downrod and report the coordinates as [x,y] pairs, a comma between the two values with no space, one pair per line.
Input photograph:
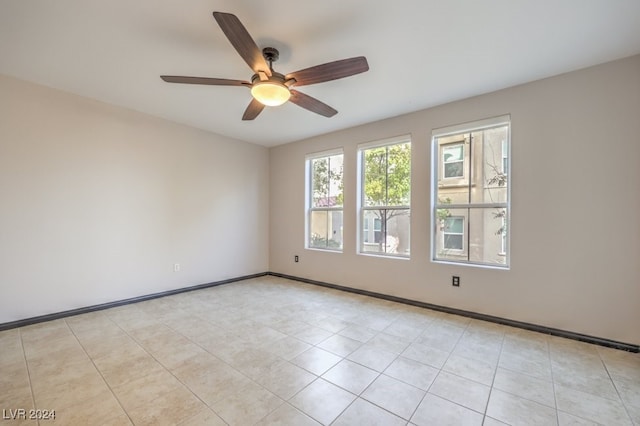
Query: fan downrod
[271,54]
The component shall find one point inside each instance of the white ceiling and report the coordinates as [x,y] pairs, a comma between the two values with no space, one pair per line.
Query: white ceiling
[421,53]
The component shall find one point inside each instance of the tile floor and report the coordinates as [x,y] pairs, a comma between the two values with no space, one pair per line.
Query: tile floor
[270,351]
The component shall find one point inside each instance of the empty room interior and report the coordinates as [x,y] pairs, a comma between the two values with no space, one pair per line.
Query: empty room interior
[434,221]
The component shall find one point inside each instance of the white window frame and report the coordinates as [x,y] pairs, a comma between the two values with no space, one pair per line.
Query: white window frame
[309,208]
[504,120]
[362,207]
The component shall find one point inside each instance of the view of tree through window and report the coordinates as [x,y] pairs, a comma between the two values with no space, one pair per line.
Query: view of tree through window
[471,193]
[325,202]
[385,190]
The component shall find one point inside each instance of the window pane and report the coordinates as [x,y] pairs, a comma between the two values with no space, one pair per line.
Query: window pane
[453,242]
[454,169]
[485,236]
[375,176]
[450,235]
[490,179]
[399,175]
[335,180]
[453,225]
[387,175]
[453,153]
[325,229]
[326,181]
[386,231]
[320,182]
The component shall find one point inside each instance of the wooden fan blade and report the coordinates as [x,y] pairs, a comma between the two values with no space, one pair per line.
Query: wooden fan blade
[252,110]
[312,104]
[204,80]
[242,41]
[329,71]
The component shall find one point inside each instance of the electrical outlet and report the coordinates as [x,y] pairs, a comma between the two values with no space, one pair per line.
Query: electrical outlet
[176,267]
[295,258]
[455,281]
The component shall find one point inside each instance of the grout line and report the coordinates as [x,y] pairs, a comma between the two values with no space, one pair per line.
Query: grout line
[26,364]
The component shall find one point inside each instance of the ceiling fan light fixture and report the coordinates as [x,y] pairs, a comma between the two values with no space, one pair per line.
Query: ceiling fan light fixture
[270,93]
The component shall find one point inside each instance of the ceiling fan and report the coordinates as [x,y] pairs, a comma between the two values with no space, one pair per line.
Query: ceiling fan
[268,87]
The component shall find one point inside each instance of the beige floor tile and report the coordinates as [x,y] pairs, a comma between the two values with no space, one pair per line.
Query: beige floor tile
[524,386]
[285,379]
[100,410]
[40,333]
[527,363]
[213,383]
[565,419]
[435,411]
[46,380]
[473,369]
[404,329]
[595,382]
[426,355]
[331,324]
[170,408]
[47,347]
[286,415]
[287,348]
[203,417]
[340,345]
[374,358]
[362,412]
[67,393]
[357,332]
[462,391]
[59,362]
[393,395]
[316,360]
[142,391]
[195,350]
[351,376]
[389,343]
[248,406]
[322,401]
[118,370]
[174,357]
[313,335]
[483,351]
[512,409]
[442,340]
[591,407]
[10,356]
[412,372]
[102,346]
[14,398]
[488,421]
[634,413]
[14,375]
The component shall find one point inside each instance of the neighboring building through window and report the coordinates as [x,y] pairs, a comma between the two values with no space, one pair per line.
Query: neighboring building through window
[324,200]
[385,189]
[453,160]
[471,193]
[453,233]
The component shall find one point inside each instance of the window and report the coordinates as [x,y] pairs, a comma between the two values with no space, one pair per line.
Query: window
[385,189]
[470,193]
[324,201]
[453,233]
[453,160]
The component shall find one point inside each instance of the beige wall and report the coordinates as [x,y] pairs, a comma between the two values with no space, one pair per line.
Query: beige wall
[97,203]
[575,232]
